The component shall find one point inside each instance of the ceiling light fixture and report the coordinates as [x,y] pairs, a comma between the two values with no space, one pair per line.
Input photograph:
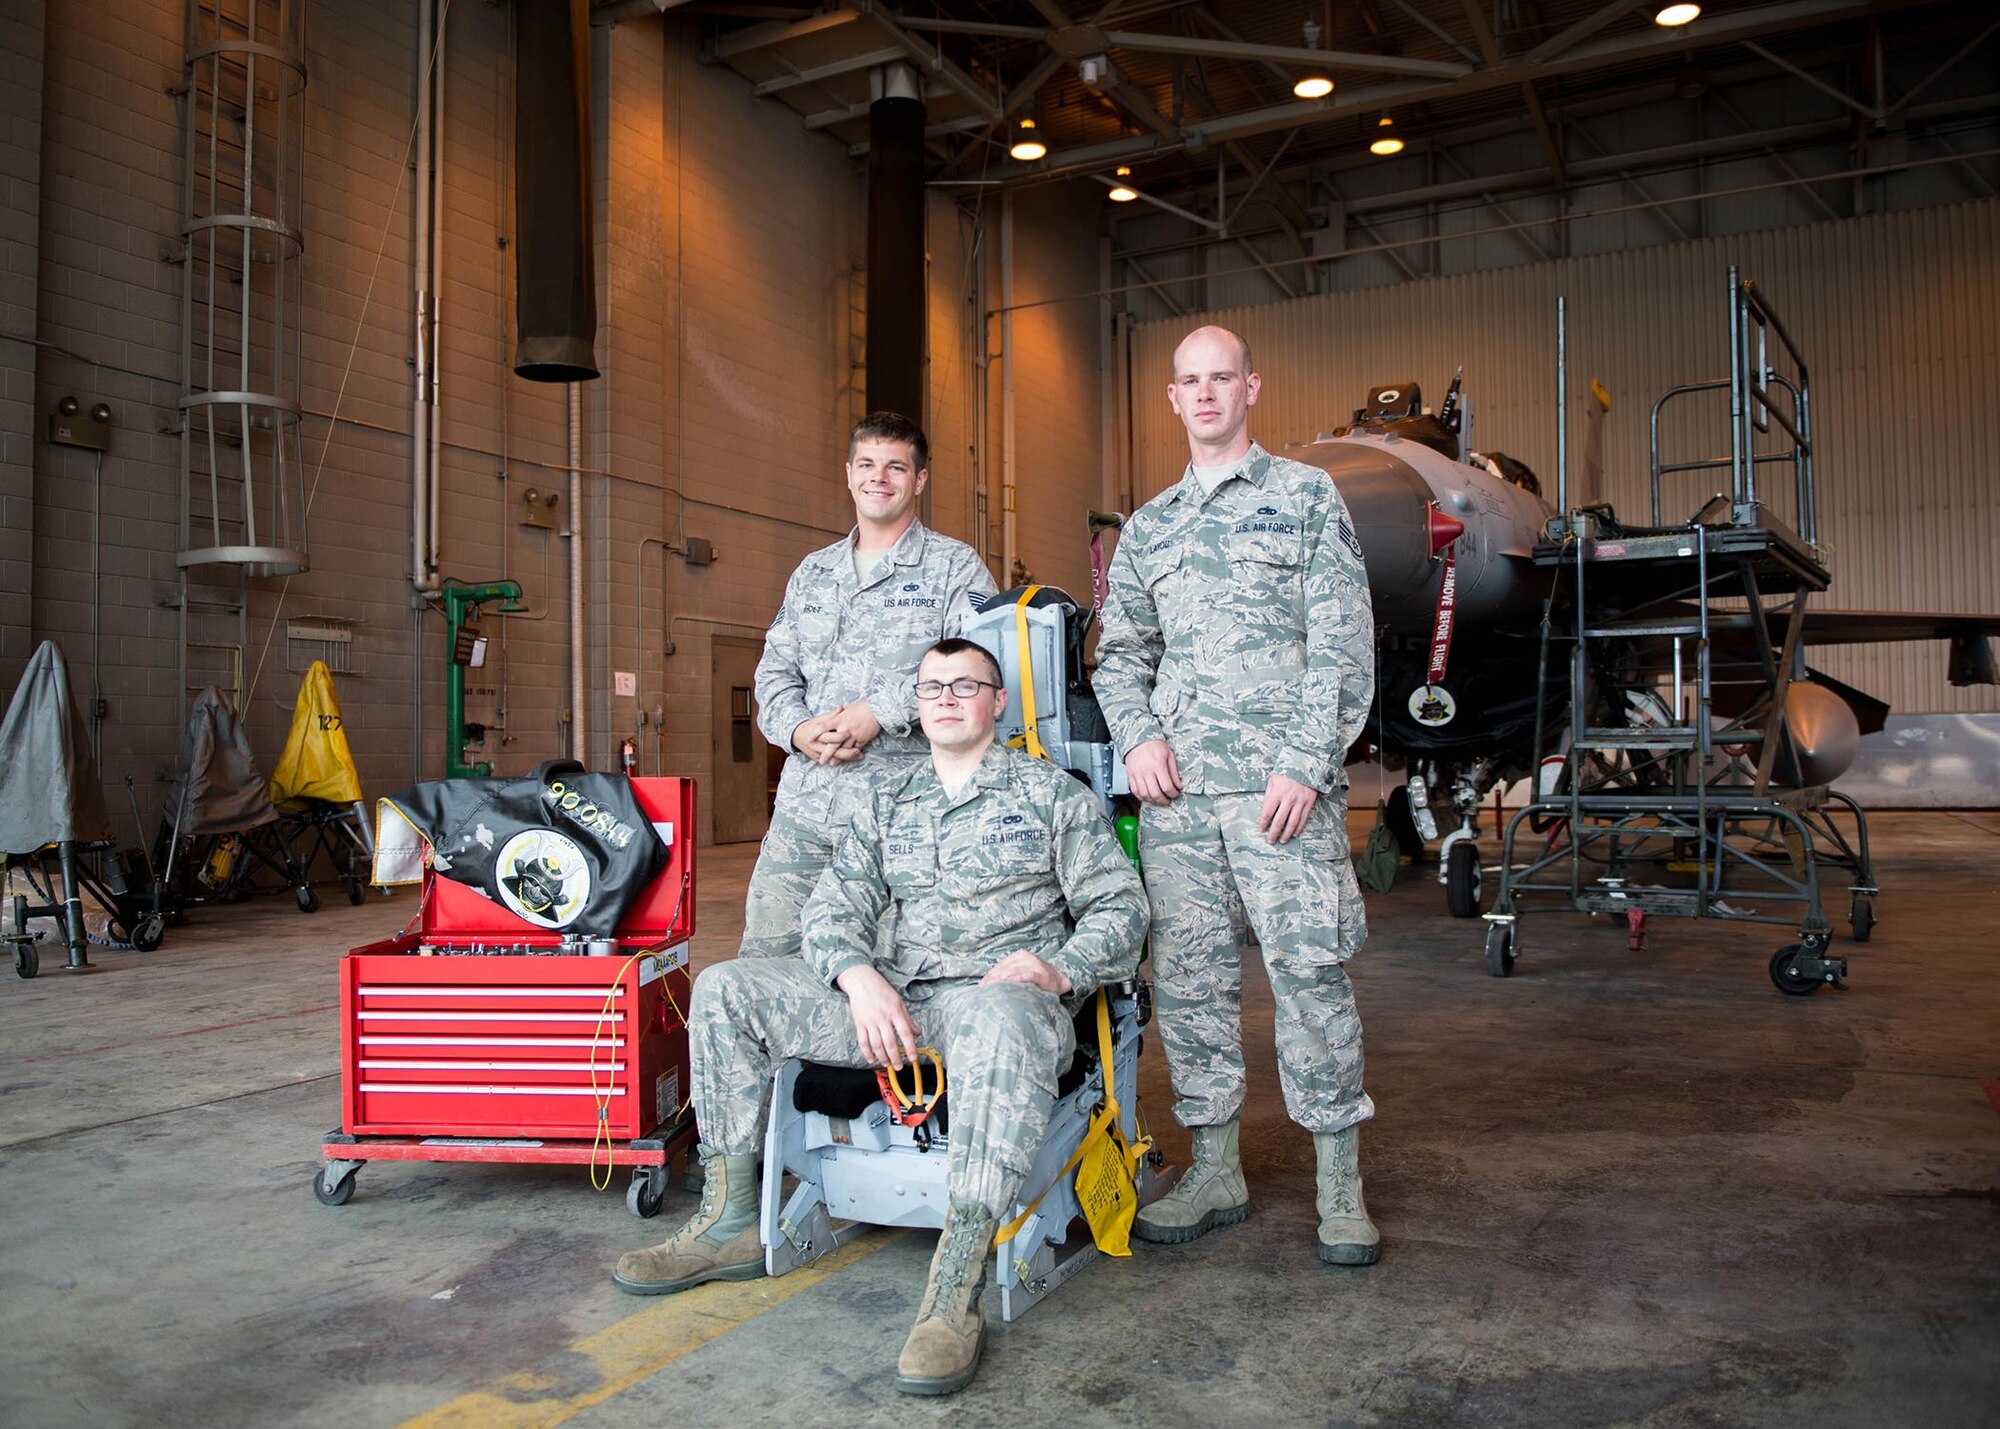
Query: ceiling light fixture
[1388,143]
[1672,16]
[1314,84]
[1028,145]
[1123,193]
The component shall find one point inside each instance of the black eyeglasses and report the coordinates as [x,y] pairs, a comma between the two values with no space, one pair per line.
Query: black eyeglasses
[963,688]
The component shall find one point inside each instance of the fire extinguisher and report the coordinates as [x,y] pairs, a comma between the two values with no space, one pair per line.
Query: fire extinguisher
[628,756]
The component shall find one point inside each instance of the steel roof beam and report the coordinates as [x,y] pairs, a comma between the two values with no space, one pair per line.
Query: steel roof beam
[1019,95]
[1284,54]
[1582,30]
[974,27]
[825,71]
[1445,37]
[1570,111]
[777,32]
[968,88]
[1764,19]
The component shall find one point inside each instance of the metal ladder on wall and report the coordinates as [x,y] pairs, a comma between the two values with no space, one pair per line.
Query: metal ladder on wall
[242,491]
[1683,644]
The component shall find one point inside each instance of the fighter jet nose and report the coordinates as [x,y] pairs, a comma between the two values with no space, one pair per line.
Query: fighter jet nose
[1444,529]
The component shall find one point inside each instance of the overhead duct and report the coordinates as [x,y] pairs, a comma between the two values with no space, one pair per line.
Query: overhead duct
[896,327]
[555,287]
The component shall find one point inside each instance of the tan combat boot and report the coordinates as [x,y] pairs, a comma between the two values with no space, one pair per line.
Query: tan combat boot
[1346,1235]
[943,1350]
[719,1243]
[1210,1193]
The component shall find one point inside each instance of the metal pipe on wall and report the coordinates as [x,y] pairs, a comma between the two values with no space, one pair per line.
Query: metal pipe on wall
[578,742]
[435,199]
[420,210]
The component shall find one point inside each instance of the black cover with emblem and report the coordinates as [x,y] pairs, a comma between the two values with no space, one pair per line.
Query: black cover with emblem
[565,850]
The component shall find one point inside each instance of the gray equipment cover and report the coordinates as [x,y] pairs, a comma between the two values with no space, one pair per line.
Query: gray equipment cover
[49,788]
[221,790]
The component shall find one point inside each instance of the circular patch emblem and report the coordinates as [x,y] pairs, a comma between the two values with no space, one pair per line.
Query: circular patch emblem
[541,876]
[1432,705]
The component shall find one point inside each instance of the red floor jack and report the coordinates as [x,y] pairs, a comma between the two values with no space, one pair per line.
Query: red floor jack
[468,1037]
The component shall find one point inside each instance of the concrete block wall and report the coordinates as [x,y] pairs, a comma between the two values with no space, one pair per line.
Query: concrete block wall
[730,252]
[1057,401]
[21,65]
[108,308]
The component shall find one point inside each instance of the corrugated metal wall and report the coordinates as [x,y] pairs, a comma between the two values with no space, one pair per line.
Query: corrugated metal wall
[1898,315]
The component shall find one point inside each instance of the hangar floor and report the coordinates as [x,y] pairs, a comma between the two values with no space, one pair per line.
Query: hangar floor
[1617,1188]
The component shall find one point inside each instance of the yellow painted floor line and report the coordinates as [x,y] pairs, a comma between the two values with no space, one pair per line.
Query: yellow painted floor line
[642,1344]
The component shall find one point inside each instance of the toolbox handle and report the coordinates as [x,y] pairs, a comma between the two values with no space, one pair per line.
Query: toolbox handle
[550,768]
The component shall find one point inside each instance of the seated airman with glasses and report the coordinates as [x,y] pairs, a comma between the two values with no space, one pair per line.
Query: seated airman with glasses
[1014,903]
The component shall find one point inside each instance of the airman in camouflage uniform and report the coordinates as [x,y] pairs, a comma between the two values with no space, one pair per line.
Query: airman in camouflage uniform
[1234,669]
[1015,904]
[833,686]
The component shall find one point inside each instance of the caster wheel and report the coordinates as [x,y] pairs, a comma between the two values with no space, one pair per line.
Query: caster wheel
[357,892]
[644,1195]
[149,932]
[308,900]
[27,962]
[338,1194]
[1861,918]
[1500,949]
[1463,877]
[1785,973]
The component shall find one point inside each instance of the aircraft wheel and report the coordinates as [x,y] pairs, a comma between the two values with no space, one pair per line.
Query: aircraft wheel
[1463,877]
[1861,917]
[1785,973]
[1403,824]
[1500,949]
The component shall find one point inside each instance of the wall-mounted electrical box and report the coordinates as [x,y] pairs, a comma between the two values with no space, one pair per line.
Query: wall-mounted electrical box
[538,508]
[699,551]
[70,426]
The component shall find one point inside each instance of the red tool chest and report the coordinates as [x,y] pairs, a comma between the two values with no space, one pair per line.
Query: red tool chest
[467,1038]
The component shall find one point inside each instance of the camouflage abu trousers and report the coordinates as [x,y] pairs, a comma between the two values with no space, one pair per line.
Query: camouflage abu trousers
[1207,869]
[1003,1046]
[794,854]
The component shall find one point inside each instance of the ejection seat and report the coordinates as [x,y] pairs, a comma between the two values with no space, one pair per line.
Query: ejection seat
[851,1159]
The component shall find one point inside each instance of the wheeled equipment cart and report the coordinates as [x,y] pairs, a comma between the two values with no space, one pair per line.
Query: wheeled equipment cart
[478,1035]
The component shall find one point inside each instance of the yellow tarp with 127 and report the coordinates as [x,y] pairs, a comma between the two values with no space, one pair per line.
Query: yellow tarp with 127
[316,763]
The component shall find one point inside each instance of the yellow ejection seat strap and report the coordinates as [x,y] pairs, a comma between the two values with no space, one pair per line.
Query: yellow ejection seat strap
[1026,658]
[1106,1118]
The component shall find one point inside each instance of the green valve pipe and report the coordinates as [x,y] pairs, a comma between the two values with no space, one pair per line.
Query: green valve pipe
[461,602]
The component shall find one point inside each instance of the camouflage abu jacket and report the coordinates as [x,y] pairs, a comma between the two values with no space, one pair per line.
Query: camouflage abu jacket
[1238,628]
[836,639]
[1021,860]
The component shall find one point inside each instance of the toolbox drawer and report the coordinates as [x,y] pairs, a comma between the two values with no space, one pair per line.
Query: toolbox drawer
[485,1045]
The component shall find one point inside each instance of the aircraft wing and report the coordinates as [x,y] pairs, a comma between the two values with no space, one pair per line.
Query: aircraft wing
[1972,660]
[1869,627]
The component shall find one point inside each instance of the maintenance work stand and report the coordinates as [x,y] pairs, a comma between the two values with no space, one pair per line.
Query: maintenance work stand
[1687,786]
